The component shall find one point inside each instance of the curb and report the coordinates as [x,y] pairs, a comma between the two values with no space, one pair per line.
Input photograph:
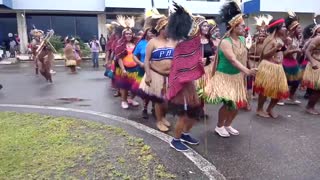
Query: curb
[204,165]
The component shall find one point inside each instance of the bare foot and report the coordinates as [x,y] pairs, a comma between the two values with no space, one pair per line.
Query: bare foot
[263,114]
[273,114]
[166,122]
[162,127]
[312,111]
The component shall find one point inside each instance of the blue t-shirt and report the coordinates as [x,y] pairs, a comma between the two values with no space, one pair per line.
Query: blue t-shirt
[140,50]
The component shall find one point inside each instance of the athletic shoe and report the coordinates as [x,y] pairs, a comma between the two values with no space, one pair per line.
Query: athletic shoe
[178,145]
[222,131]
[232,131]
[188,139]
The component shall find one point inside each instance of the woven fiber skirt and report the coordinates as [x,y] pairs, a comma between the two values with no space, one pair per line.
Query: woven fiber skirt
[293,71]
[200,83]
[271,81]
[311,77]
[186,102]
[71,63]
[226,88]
[128,82]
[157,90]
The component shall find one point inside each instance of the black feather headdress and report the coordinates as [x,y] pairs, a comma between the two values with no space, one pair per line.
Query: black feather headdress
[180,23]
[231,14]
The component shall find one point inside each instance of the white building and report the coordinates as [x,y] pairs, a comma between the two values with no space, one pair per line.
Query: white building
[86,18]
[83,18]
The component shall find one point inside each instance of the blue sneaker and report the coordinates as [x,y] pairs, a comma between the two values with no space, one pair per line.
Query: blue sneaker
[188,139]
[178,145]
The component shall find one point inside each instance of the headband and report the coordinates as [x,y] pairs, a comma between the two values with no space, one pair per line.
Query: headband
[236,20]
[277,22]
[293,25]
[161,24]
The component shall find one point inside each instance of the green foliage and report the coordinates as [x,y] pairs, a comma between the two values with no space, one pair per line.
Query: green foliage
[57,43]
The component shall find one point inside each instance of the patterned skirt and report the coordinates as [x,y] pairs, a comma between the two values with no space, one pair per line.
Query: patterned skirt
[311,77]
[156,92]
[226,88]
[129,82]
[293,71]
[271,81]
[186,102]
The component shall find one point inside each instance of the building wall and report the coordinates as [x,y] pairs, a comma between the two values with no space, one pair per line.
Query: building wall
[84,26]
[196,7]
[59,5]
[305,6]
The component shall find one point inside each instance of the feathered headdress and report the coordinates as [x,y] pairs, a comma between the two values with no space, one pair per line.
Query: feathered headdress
[126,22]
[262,21]
[151,18]
[292,21]
[182,24]
[231,13]
[212,22]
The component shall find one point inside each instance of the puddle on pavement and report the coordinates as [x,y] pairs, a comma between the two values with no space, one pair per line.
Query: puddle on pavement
[84,105]
[70,100]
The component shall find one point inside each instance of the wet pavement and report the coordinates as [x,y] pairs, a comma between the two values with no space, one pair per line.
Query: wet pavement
[285,148]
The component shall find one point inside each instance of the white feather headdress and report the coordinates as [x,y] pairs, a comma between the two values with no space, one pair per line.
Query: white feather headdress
[126,22]
[263,20]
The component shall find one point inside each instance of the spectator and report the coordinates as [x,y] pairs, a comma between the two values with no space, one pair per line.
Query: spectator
[12,46]
[95,46]
[17,39]
[103,43]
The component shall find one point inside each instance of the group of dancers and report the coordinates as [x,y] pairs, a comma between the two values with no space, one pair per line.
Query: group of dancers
[180,63]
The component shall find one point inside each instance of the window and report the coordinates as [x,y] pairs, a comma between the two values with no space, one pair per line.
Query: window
[65,25]
[8,25]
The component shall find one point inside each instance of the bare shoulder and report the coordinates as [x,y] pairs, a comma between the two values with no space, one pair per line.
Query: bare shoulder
[225,43]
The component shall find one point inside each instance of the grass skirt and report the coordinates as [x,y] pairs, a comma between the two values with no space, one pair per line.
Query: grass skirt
[226,88]
[293,71]
[200,83]
[311,77]
[129,82]
[71,63]
[157,90]
[271,81]
[186,102]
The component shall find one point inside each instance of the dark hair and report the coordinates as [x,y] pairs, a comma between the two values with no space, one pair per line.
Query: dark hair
[289,20]
[308,31]
[275,27]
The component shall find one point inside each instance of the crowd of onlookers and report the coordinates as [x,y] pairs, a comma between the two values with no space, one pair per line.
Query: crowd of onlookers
[12,46]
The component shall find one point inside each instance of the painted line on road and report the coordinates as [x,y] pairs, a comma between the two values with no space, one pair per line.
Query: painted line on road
[204,165]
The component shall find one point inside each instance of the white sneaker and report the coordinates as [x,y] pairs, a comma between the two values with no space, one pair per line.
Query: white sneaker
[280,103]
[52,72]
[133,103]
[232,131]
[222,131]
[124,105]
[78,67]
